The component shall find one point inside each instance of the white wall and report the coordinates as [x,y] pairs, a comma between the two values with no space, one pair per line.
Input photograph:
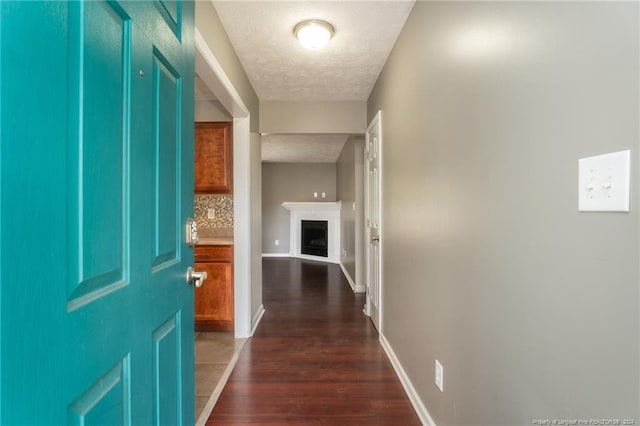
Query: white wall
[256,225]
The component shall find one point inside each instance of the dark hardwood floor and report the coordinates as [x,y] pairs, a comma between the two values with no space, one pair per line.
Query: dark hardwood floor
[315,359]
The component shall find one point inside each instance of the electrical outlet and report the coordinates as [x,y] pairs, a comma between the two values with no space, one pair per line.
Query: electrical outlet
[276,242]
[439,376]
[324,195]
[211,213]
[315,195]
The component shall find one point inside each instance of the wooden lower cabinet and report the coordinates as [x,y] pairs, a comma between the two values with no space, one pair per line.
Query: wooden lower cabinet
[214,300]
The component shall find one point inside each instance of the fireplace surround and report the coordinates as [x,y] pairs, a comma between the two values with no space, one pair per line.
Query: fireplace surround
[328,212]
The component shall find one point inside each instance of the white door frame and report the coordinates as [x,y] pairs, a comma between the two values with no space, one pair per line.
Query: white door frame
[367,237]
[211,72]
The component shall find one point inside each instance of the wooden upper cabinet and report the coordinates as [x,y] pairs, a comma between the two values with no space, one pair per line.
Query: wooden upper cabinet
[213,158]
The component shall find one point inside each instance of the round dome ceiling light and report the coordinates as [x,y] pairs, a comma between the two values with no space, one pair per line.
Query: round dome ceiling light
[313,34]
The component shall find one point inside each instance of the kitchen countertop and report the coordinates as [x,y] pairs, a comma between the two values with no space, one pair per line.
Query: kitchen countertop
[215,241]
[215,236]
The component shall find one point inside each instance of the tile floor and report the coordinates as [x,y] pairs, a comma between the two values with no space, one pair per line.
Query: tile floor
[215,355]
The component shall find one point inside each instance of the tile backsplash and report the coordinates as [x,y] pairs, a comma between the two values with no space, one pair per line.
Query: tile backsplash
[223,206]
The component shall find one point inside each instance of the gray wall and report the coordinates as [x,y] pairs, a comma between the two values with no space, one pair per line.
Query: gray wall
[206,110]
[313,117]
[531,306]
[209,25]
[290,182]
[349,190]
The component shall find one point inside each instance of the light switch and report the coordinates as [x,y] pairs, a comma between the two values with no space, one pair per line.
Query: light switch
[603,182]
[211,213]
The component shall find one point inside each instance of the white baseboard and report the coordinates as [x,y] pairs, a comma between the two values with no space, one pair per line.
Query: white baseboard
[317,258]
[418,406]
[354,287]
[256,319]
[275,254]
[302,256]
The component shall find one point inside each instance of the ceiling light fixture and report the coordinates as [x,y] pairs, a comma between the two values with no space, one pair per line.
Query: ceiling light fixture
[313,34]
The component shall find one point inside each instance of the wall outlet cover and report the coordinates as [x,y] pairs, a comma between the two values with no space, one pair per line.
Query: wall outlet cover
[211,213]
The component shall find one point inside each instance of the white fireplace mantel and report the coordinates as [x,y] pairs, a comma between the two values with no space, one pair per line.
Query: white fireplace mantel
[329,211]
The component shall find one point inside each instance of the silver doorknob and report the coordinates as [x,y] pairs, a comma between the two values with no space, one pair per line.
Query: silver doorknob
[374,239]
[195,278]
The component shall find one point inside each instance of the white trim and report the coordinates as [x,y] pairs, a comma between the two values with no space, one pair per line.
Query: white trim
[377,120]
[316,258]
[256,319]
[313,206]
[417,403]
[242,228]
[275,254]
[360,224]
[354,287]
[208,408]
[348,277]
[303,256]
[211,72]
[213,75]
[329,211]
[381,230]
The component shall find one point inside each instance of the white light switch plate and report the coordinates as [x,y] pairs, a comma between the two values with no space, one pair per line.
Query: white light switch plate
[603,182]
[211,213]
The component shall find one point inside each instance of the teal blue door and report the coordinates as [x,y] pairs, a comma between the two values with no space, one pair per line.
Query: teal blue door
[96,183]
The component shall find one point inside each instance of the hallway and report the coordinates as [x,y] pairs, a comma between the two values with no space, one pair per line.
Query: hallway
[315,358]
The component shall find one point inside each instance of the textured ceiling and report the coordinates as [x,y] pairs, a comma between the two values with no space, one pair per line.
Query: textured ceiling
[302,148]
[261,33]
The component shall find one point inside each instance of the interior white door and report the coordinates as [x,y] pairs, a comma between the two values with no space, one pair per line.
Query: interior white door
[373,219]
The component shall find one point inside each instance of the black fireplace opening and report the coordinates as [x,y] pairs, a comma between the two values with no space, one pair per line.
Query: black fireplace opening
[314,237]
